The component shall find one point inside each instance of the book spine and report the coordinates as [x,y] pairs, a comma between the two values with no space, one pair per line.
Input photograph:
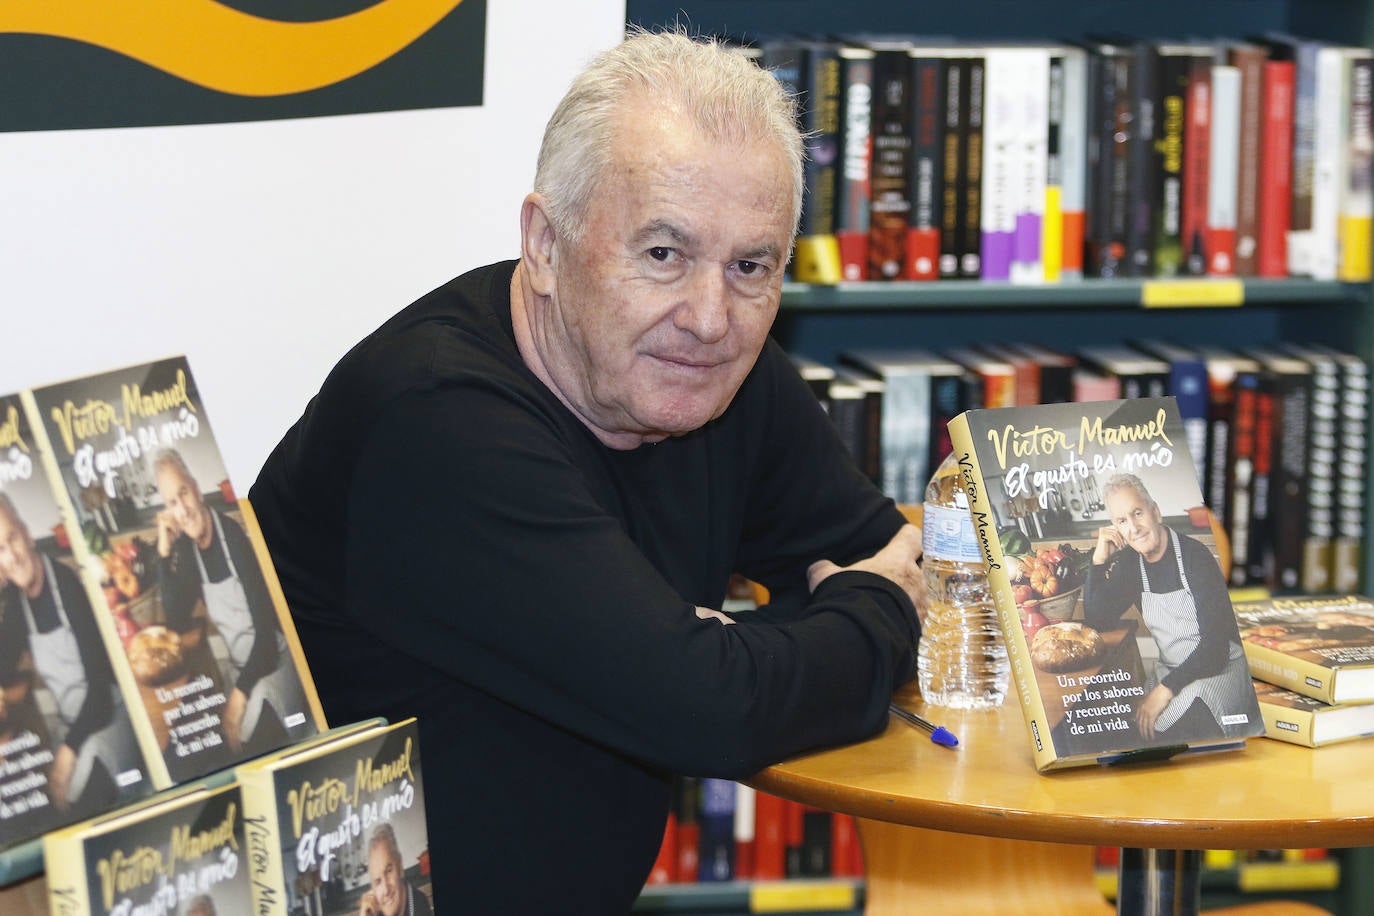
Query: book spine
[1276,169]
[746,801]
[1030,166]
[686,792]
[1351,482]
[973,101]
[664,869]
[1109,141]
[1249,61]
[1355,233]
[1260,554]
[1321,476]
[267,871]
[1197,132]
[1000,123]
[64,861]
[923,244]
[1052,229]
[1328,151]
[1220,407]
[716,815]
[1172,91]
[1285,724]
[1146,174]
[1297,674]
[1223,177]
[817,253]
[769,846]
[817,855]
[953,166]
[1304,152]
[87,564]
[1291,474]
[892,135]
[852,184]
[1074,162]
[1240,475]
[1018,652]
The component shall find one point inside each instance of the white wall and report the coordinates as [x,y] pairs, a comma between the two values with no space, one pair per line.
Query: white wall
[263,251]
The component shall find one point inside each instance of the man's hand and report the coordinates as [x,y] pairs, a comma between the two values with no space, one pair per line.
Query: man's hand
[368,905]
[1150,708]
[896,562]
[706,613]
[233,719]
[167,532]
[1109,541]
[60,776]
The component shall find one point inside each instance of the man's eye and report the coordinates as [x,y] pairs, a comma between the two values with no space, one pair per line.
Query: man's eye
[661,253]
[750,268]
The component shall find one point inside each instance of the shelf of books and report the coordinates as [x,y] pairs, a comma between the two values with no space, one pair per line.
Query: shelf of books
[162,746]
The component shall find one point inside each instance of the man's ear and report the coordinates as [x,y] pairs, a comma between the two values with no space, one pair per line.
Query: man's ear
[538,242]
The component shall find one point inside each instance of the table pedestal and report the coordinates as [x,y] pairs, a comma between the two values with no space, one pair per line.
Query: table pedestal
[1159,881]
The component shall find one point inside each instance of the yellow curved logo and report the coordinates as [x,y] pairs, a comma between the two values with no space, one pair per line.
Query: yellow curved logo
[221,48]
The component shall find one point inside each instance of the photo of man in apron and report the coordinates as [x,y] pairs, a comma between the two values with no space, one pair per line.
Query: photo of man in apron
[1200,687]
[205,554]
[44,610]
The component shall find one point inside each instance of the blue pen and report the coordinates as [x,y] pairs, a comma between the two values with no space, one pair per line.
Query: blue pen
[938,733]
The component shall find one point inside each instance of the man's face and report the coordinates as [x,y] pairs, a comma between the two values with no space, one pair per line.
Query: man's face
[18,560]
[661,308]
[388,880]
[1138,522]
[182,498]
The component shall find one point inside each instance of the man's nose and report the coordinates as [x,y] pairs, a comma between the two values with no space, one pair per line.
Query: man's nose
[705,312]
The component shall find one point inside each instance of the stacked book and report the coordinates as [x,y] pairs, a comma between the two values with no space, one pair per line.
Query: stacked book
[1312,658]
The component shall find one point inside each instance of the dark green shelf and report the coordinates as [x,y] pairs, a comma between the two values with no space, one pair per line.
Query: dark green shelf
[1088,293]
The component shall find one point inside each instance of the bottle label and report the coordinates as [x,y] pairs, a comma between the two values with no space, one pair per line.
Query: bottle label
[947,534]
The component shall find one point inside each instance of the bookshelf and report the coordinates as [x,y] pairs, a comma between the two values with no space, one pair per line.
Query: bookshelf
[820,321]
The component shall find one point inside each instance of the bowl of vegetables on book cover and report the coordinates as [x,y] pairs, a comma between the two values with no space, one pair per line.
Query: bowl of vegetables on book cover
[1046,582]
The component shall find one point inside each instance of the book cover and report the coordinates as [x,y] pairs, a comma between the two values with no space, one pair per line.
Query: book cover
[852,185]
[336,824]
[67,745]
[205,648]
[1108,670]
[182,852]
[1321,646]
[1290,716]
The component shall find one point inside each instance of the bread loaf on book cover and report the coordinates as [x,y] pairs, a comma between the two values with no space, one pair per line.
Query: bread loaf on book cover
[194,620]
[1102,566]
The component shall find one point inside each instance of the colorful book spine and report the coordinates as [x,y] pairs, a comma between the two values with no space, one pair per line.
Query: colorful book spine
[923,243]
[1197,146]
[1001,134]
[1355,232]
[890,171]
[853,187]
[1276,169]
[1073,152]
[1249,60]
[973,105]
[1223,176]
[1030,163]
[954,165]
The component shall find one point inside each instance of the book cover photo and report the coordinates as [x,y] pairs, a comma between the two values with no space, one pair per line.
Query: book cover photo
[180,852]
[67,744]
[337,825]
[1104,569]
[201,633]
[1321,646]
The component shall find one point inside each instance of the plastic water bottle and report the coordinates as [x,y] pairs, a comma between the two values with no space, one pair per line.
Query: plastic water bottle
[962,659]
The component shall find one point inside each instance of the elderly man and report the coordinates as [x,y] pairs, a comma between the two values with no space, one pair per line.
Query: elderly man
[205,555]
[389,893]
[44,609]
[514,509]
[1201,686]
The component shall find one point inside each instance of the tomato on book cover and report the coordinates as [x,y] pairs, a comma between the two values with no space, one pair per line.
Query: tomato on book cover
[338,826]
[67,745]
[1103,566]
[178,855]
[204,640]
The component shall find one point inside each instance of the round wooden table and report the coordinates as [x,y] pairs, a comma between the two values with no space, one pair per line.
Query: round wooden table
[1268,795]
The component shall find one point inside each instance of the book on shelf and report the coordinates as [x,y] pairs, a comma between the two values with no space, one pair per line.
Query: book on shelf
[192,615]
[817,252]
[1321,646]
[67,745]
[1223,174]
[851,188]
[181,851]
[1275,168]
[1355,183]
[1322,439]
[926,217]
[1188,385]
[891,195]
[1298,719]
[336,824]
[1249,60]
[1103,657]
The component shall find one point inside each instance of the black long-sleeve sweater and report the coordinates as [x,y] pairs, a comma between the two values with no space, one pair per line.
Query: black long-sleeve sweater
[455,544]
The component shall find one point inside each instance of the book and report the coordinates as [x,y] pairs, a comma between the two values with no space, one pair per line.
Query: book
[1141,375]
[1030,163]
[1073,155]
[1290,716]
[1223,176]
[891,195]
[1351,463]
[204,650]
[716,843]
[1197,167]
[1096,665]
[1249,60]
[67,745]
[954,164]
[926,217]
[1004,71]
[851,188]
[1188,385]
[336,818]
[1276,168]
[817,253]
[1110,121]
[1321,646]
[1322,437]
[181,851]
[1356,181]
